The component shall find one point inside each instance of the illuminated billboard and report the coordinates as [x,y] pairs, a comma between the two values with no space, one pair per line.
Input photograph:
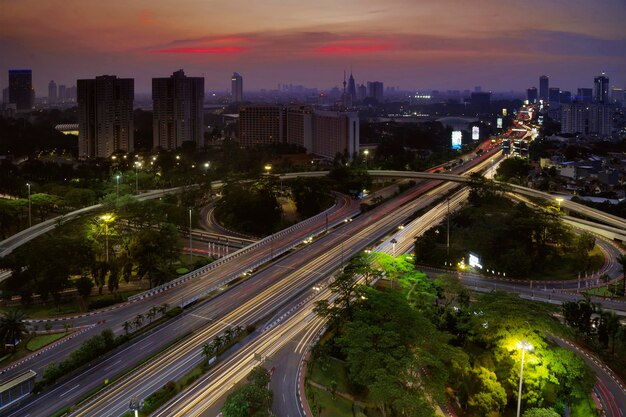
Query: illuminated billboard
[456,139]
[475,133]
[504,112]
[474,260]
[499,123]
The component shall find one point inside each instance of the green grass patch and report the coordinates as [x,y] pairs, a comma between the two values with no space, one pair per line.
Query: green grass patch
[38,342]
[330,407]
[584,408]
[326,371]
[5,357]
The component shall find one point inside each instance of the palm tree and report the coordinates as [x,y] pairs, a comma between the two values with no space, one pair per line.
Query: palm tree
[228,335]
[208,350]
[138,321]
[218,342]
[152,313]
[621,259]
[12,326]
[126,327]
[163,308]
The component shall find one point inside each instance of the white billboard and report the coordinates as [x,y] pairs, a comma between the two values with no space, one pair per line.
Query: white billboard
[457,137]
[475,133]
[499,123]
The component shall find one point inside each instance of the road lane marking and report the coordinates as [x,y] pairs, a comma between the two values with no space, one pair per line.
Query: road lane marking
[68,391]
[201,317]
[111,366]
[146,345]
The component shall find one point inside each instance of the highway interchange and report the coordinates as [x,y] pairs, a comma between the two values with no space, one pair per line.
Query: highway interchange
[263,293]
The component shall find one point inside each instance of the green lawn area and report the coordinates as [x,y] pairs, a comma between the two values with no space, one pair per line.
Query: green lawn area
[337,407]
[584,408]
[335,370]
[38,342]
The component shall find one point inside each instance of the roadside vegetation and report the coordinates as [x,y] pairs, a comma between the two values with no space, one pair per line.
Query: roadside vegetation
[412,344]
[510,238]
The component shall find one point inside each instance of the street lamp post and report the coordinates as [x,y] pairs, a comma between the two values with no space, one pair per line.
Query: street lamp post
[30,218]
[117,186]
[559,200]
[190,242]
[524,345]
[448,233]
[137,165]
[107,218]
[366,152]
[393,245]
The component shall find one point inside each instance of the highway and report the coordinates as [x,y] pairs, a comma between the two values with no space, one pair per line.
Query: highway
[200,283]
[288,277]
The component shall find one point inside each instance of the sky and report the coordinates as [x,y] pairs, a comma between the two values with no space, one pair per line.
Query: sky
[500,45]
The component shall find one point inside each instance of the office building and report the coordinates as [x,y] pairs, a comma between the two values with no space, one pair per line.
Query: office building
[236,87]
[52,92]
[105,116]
[554,96]
[584,95]
[324,133]
[375,90]
[361,92]
[618,96]
[260,125]
[351,89]
[335,132]
[531,95]
[575,118]
[595,119]
[177,103]
[601,119]
[544,88]
[298,126]
[21,89]
[62,93]
[601,89]
[565,97]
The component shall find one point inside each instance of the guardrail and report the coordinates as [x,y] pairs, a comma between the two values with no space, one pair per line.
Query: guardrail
[203,270]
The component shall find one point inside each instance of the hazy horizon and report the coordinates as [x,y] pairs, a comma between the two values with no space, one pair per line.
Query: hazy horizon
[501,45]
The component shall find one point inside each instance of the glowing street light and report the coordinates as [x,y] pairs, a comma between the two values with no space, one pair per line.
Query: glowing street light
[525,346]
[107,218]
[559,200]
[393,245]
[268,168]
[117,186]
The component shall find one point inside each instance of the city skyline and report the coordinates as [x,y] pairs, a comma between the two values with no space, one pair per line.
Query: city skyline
[500,45]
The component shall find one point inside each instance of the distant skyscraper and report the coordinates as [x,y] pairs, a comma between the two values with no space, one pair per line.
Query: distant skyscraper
[361,92]
[52,92]
[554,95]
[351,89]
[105,116]
[21,89]
[62,93]
[177,104]
[595,118]
[71,94]
[335,132]
[260,125]
[565,97]
[375,90]
[601,89]
[618,96]
[236,87]
[544,86]
[531,95]
[585,95]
